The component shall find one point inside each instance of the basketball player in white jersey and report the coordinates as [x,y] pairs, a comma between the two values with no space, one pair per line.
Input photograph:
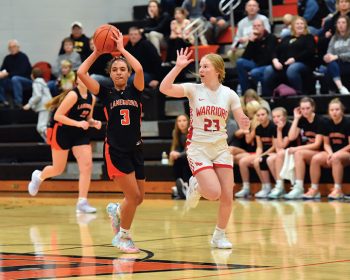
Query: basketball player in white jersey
[207,150]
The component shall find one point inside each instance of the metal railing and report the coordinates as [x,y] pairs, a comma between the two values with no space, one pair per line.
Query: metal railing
[196,28]
[227,7]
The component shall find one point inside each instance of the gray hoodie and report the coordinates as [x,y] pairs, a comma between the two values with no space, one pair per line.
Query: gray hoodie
[40,96]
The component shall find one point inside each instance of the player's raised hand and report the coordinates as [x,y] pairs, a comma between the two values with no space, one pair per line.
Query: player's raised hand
[183,57]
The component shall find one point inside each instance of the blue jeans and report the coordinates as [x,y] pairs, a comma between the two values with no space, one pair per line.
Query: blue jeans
[17,84]
[244,67]
[294,74]
[336,67]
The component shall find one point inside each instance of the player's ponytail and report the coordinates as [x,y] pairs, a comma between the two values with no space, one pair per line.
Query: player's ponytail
[55,102]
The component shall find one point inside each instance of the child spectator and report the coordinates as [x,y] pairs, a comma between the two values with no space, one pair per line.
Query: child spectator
[41,95]
[287,21]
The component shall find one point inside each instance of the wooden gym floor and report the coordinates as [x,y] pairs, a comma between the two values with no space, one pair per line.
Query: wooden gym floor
[43,238]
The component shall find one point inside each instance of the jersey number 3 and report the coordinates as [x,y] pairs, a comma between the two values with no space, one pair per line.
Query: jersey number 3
[126,117]
[211,125]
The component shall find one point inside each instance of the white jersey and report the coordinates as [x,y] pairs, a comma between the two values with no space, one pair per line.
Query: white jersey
[209,111]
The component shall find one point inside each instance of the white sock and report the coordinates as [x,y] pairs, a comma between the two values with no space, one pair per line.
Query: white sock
[337,186]
[246,185]
[299,184]
[82,199]
[266,186]
[279,184]
[125,232]
[314,186]
[218,232]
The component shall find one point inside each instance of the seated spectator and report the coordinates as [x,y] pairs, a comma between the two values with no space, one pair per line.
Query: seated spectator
[158,24]
[15,75]
[170,5]
[195,9]
[329,27]
[281,142]
[336,154]
[69,54]
[177,39]
[81,42]
[244,30]
[338,54]
[256,57]
[307,124]
[66,79]
[218,22]
[98,69]
[313,11]
[293,59]
[178,157]
[250,95]
[145,52]
[40,96]
[287,22]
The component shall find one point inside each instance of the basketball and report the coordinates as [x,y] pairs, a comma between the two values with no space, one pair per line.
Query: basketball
[102,38]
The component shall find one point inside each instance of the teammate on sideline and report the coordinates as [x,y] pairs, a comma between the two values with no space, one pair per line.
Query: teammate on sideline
[207,150]
[123,145]
[68,130]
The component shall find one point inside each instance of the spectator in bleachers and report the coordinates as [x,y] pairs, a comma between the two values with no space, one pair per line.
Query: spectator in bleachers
[218,22]
[98,70]
[178,156]
[338,54]
[309,125]
[65,80]
[281,142]
[256,57]
[329,27]
[147,55]
[293,59]
[177,39]
[81,42]
[244,30]
[158,24]
[195,9]
[15,75]
[40,96]
[68,54]
[287,22]
[314,12]
[336,154]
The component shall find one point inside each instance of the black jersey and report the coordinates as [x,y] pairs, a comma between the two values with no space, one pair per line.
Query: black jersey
[266,134]
[310,130]
[285,131]
[338,133]
[80,110]
[123,114]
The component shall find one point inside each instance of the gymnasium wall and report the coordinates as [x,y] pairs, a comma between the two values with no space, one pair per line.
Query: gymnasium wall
[40,25]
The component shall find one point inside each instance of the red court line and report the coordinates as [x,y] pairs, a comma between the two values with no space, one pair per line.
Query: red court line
[264,269]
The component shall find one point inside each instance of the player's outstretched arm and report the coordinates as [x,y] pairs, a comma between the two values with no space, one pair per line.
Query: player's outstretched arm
[167,86]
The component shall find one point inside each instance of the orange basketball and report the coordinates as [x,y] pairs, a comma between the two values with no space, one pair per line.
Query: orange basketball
[102,38]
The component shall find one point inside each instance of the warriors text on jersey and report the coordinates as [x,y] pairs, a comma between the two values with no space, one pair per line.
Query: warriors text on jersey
[209,111]
[123,114]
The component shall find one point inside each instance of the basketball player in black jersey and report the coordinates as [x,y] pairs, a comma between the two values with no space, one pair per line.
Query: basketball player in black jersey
[73,111]
[123,145]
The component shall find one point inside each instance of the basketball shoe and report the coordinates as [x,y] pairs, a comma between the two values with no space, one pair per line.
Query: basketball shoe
[335,194]
[295,193]
[192,194]
[85,207]
[113,211]
[34,185]
[277,192]
[124,243]
[220,241]
[312,194]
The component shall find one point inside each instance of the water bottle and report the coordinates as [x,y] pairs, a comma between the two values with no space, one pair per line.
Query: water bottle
[318,87]
[259,89]
[239,90]
[165,159]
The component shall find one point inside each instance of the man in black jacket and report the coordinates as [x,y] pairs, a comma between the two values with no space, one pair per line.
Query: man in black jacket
[15,74]
[144,51]
[257,55]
